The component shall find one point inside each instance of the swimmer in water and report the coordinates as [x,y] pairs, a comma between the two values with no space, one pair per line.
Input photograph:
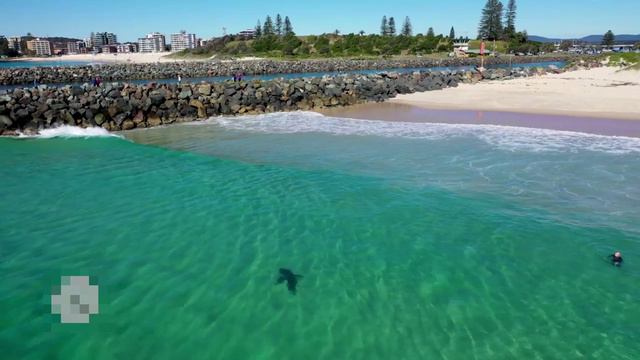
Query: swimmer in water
[616,258]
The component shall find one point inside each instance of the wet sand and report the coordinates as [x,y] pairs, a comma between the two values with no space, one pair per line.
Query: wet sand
[410,113]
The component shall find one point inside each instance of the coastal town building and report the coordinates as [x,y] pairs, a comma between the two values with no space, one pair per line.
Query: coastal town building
[76,47]
[460,48]
[127,48]
[40,47]
[73,48]
[248,34]
[99,39]
[109,49]
[154,42]
[14,42]
[182,41]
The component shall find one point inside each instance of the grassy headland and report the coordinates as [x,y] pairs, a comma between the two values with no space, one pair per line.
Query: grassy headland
[321,46]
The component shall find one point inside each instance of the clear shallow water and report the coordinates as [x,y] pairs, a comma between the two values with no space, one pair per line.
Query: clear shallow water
[415,241]
[35,64]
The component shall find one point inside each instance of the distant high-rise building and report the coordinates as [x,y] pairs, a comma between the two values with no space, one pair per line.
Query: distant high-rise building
[99,39]
[182,41]
[14,43]
[154,42]
[40,47]
[112,39]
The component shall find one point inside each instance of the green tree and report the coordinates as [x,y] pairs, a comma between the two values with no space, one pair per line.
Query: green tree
[258,29]
[431,33]
[384,26]
[267,29]
[290,44]
[392,26]
[490,27]
[288,29]
[407,29]
[322,45]
[278,25]
[510,18]
[452,34]
[608,38]
[565,45]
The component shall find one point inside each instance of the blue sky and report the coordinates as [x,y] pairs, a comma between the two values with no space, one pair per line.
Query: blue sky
[130,19]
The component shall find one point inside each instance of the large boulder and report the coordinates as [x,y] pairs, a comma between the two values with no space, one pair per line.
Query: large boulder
[202,113]
[99,119]
[128,125]
[5,122]
[157,97]
[154,120]
[205,89]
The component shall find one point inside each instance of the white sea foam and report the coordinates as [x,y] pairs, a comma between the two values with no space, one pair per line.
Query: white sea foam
[510,138]
[66,131]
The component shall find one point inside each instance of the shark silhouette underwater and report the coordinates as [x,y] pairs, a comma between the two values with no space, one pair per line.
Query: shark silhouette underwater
[291,279]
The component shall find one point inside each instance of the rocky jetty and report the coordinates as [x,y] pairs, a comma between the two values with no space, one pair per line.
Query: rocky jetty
[123,72]
[121,106]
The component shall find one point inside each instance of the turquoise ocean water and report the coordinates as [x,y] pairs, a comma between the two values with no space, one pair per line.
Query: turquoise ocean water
[35,64]
[416,241]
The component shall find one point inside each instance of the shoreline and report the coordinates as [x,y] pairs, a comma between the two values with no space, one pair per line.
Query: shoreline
[596,93]
[399,112]
[132,58]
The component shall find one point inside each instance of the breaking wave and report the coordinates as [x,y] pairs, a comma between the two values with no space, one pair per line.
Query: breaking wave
[67,131]
[509,138]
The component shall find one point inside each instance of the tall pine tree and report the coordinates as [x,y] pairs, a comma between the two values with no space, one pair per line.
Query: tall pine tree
[407,29]
[490,27]
[608,38]
[510,18]
[279,25]
[452,34]
[392,26]
[288,29]
[258,29]
[384,26]
[267,29]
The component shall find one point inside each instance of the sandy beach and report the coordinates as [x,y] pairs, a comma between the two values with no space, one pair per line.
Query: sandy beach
[601,93]
[135,58]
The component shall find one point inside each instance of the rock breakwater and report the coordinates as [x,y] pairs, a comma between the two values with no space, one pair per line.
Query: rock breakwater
[121,106]
[123,72]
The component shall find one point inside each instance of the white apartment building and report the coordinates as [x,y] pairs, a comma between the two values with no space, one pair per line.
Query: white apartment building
[154,42]
[127,48]
[182,41]
[40,47]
